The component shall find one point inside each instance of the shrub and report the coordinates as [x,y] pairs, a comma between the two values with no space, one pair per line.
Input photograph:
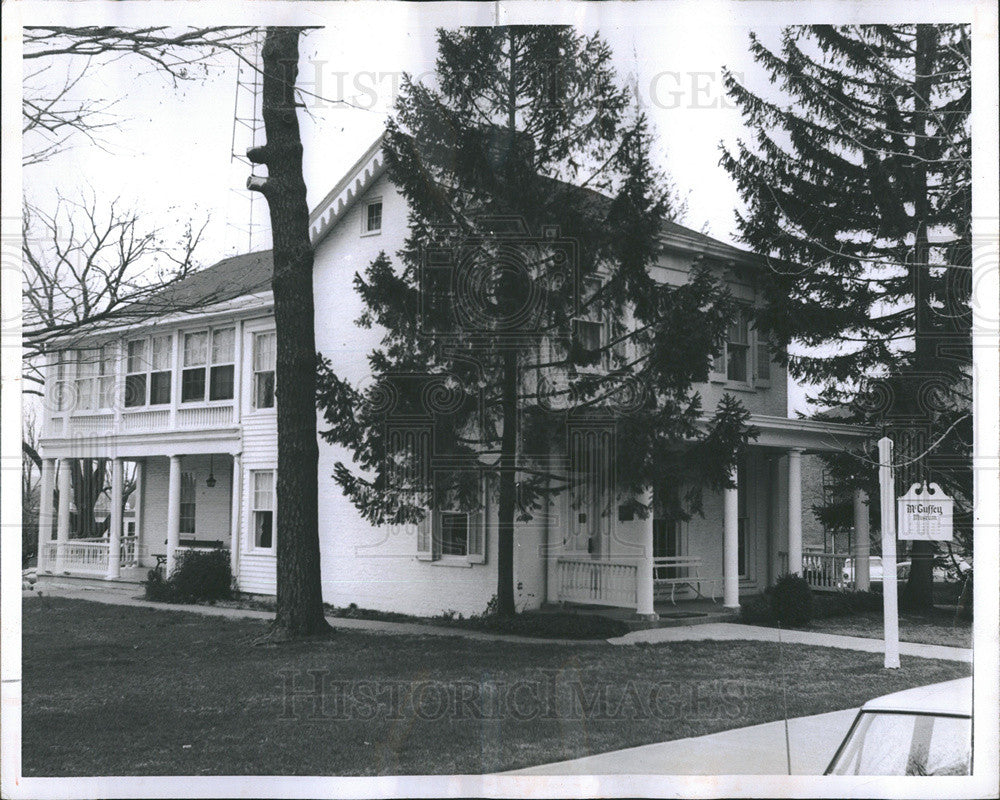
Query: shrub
[199,575]
[792,601]
[756,610]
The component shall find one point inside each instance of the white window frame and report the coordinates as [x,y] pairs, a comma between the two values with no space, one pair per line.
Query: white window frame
[364,217]
[149,372]
[105,358]
[477,533]
[253,510]
[719,371]
[251,393]
[593,316]
[207,367]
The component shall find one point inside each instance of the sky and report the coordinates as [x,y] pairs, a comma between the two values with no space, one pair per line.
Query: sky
[169,150]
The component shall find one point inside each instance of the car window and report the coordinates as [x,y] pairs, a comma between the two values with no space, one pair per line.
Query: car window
[906,744]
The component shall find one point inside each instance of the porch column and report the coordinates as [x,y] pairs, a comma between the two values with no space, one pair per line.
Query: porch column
[234,518]
[115,531]
[45,498]
[795,511]
[62,522]
[137,493]
[731,545]
[173,512]
[644,608]
[862,542]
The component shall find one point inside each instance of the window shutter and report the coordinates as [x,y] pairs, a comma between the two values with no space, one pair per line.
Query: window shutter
[763,359]
[719,365]
[477,537]
[425,550]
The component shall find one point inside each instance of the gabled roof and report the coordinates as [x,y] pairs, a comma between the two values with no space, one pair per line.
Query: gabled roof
[251,272]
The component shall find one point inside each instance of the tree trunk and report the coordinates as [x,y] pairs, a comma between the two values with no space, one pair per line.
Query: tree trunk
[87,479]
[507,500]
[299,595]
[918,592]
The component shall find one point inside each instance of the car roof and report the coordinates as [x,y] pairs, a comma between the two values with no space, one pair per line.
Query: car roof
[949,697]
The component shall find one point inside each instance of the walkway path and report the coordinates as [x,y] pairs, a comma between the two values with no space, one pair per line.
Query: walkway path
[756,750]
[717,631]
[728,631]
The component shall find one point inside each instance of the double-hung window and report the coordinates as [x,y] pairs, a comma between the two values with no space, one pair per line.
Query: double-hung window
[733,361]
[149,371]
[95,377]
[209,365]
[371,222]
[264,355]
[60,396]
[262,508]
[738,349]
[590,329]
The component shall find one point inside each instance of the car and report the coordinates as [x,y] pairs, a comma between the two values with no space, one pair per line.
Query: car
[874,571]
[922,731]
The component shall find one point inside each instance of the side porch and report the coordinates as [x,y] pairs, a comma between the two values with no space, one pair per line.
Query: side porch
[113,511]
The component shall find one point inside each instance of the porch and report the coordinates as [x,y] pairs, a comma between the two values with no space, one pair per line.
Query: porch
[741,552]
[149,510]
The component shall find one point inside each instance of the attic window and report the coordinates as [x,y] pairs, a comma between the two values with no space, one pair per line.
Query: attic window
[373,218]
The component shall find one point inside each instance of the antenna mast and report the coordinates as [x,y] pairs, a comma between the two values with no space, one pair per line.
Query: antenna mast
[246,127]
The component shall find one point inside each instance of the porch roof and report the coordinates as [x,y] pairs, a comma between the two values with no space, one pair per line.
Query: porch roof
[810,435]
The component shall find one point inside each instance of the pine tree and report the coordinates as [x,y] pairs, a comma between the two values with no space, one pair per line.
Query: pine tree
[858,191]
[527,177]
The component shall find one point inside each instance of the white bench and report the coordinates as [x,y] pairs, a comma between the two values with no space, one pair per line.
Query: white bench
[674,571]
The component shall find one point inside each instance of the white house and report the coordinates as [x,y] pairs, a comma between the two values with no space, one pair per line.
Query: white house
[188,396]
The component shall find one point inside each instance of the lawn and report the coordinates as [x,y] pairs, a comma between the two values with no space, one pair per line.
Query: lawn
[935,627]
[112,690]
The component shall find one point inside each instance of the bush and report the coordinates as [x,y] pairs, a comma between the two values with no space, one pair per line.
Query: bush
[792,601]
[199,575]
[756,610]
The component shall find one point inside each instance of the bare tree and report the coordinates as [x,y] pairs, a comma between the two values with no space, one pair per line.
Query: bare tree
[52,114]
[85,268]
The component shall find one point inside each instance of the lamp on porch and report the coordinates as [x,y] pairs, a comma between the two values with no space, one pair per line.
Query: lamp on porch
[211,471]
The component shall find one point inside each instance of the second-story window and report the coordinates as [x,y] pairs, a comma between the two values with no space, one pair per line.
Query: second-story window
[738,349]
[148,371]
[264,354]
[208,365]
[95,377]
[590,329]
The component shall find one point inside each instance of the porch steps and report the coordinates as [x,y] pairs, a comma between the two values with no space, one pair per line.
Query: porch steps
[670,616]
[130,585]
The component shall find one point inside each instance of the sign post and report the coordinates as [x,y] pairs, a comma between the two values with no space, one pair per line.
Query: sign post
[890,603]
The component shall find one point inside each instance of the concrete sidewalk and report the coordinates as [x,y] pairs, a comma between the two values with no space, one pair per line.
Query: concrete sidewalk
[728,631]
[717,631]
[756,750]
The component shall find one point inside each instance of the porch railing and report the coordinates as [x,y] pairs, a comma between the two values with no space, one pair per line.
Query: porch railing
[824,572]
[87,556]
[600,583]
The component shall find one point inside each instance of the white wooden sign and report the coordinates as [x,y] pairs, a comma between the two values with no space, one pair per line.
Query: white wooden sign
[925,513]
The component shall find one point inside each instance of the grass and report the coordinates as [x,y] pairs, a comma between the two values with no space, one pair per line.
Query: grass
[936,627]
[116,690]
